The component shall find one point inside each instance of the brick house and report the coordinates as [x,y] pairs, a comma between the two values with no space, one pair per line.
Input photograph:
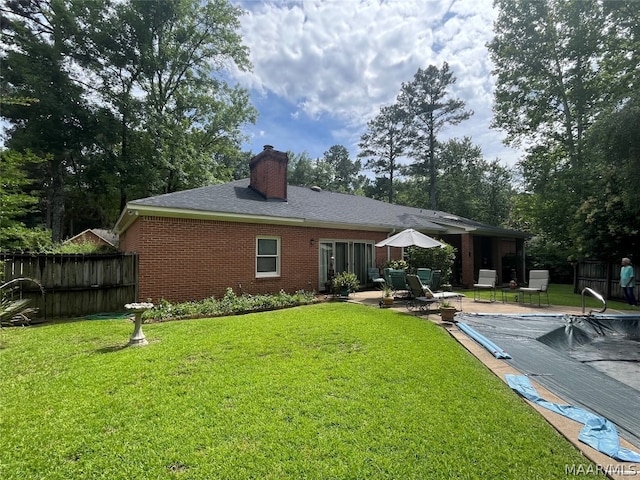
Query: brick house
[261,235]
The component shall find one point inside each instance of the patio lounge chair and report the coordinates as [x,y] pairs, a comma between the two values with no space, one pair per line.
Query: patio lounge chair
[486,281]
[422,296]
[538,283]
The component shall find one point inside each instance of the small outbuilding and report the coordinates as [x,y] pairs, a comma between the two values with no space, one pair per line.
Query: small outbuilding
[98,236]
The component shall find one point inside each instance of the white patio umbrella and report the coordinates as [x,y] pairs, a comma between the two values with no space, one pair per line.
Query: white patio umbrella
[409,237]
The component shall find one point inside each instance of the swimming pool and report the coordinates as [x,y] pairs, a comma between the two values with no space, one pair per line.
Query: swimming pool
[592,361]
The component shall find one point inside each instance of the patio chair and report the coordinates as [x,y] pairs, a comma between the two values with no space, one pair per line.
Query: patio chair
[375,277]
[422,296]
[486,281]
[398,283]
[386,276]
[424,274]
[436,279]
[538,283]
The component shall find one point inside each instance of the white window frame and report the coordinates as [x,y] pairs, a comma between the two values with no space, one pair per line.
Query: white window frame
[276,272]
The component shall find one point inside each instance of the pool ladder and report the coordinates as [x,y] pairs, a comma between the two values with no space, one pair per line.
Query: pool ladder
[594,294]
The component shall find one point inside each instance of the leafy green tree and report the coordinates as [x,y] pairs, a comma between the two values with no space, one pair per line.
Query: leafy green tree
[550,189]
[179,118]
[344,174]
[36,63]
[379,189]
[334,171]
[132,98]
[383,144]
[471,186]
[609,217]
[546,55]
[619,66]
[18,199]
[429,108]
[460,179]
[301,169]
[410,192]
[548,93]
[498,193]
[567,72]
[237,165]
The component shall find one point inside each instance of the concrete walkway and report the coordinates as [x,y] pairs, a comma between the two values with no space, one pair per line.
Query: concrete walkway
[566,427]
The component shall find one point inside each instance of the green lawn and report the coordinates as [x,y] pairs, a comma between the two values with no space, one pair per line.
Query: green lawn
[325,391]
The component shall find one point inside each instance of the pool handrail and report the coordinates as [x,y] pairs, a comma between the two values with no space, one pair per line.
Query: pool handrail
[595,295]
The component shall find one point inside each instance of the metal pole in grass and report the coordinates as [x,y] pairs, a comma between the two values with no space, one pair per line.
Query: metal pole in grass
[137,338]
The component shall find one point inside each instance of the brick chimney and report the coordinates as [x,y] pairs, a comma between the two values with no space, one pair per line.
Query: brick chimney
[269,174]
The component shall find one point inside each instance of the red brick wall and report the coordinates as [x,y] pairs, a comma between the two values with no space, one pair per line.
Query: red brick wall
[467,259]
[186,259]
[129,240]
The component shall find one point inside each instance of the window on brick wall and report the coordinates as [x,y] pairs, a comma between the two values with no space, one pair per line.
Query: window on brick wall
[267,256]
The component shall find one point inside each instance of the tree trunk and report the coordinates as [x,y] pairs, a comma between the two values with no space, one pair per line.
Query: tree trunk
[55,202]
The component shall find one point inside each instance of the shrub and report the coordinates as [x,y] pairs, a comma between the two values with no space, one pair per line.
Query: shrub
[20,239]
[396,264]
[79,247]
[229,304]
[434,258]
[346,280]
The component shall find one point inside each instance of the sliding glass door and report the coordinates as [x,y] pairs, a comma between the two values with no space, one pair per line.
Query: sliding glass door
[344,256]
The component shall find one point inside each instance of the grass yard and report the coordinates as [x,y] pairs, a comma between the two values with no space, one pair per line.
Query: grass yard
[331,390]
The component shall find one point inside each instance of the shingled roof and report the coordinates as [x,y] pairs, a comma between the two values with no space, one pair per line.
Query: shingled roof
[235,201]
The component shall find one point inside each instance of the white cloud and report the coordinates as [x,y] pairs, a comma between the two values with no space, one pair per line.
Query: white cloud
[341,60]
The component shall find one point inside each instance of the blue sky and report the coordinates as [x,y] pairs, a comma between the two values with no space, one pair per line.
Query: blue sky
[323,68]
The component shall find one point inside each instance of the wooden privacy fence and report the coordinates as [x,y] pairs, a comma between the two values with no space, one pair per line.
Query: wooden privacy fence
[75,285]
[603,277]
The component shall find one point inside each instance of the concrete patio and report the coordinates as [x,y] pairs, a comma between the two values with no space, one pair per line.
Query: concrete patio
[373,297]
